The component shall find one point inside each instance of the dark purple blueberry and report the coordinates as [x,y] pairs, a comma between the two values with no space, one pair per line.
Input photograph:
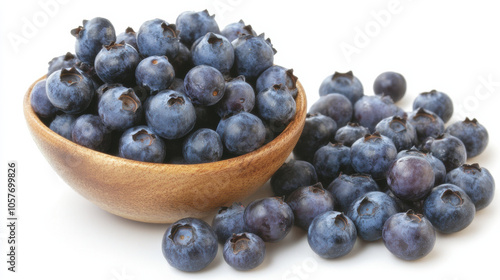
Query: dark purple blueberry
[40,103]
[242,133]
[277,75]
[239,96]
[69,91]
[270,218]
[157,37]
[120,109]
[347,188]
[234,30]
[64,61]
[90,132]
[63,125]
[343,83]
[292,175]
[189,244]
[318,131]
[369,213]
[373,154]
[401,132]
[370,110]
[447,148]
[193,25]
[182,62]
[335,106]
[203,145]
[141,144]
[90,38]
[426,123]
[204,85]
[116,63]
[228,221]
[437,102]
[128,37]
[390,84]
[154,73]
[449,208]
[276,106]
[252,56]
[410,178]
[177,85]
[170,114]
[349,133]
[331,235]
[308,202]
[437,166]
[409,236]
[244,251]
[214,50]
[476,181]
[473,134]
[330,160]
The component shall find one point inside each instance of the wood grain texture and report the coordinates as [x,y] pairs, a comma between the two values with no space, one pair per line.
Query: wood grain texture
[162,193]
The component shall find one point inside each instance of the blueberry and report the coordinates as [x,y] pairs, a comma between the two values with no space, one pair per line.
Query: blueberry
[409,236]
[426,123]
[307,202]
[373,154]
[189,244]
[370,110]
[228,221]
[410,178]
[447,148]
[157,37]
[128,37]
[244,251]
[64,61]
[330,160]
[203,145]
[437,165]
[234,30]
[252,56]
[335,106]
[343,83]
[194,25]
[204,85]
[154,73]
[347,188]
[182,62]
[401,132]
[177,85]
[116,63]
[69,91]
[270,218]
[277,75]
[40,103]
[141,144]
[476,181]
[449,208]
[214,50]
[293,175]
[318,131]
[120,109]
[63,125]
[242,133]
[277,116]
[473,134]
[331,235]
[90,132]
[170,114]
[437,102]
[238,97]
[369,213]
[390,84]
[91,37]
[349,133]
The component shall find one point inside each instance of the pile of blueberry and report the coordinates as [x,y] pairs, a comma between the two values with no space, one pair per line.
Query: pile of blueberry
[177,93]
[390,175]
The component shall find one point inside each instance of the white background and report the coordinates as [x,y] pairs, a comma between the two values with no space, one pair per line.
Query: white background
[445,45]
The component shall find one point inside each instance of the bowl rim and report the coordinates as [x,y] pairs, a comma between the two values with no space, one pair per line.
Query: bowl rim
[34,120]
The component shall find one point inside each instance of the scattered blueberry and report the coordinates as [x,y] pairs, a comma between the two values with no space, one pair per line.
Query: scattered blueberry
[347,188]
[343,83]
[426,123]
[335,106]
[244,251]
[330,160]
[437,165]
[308,202]
[370,110]
[437,102]
[373,154]
[141,144]
[270,218]
[476,181]
[447,148]
[390,84]
[401,132]
[318,131]
[349,133]
[410,178]
[293,175]
[473,134]
[203,145]
[228,221]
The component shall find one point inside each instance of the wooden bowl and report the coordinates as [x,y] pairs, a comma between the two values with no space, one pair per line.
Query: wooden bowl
[162,193]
